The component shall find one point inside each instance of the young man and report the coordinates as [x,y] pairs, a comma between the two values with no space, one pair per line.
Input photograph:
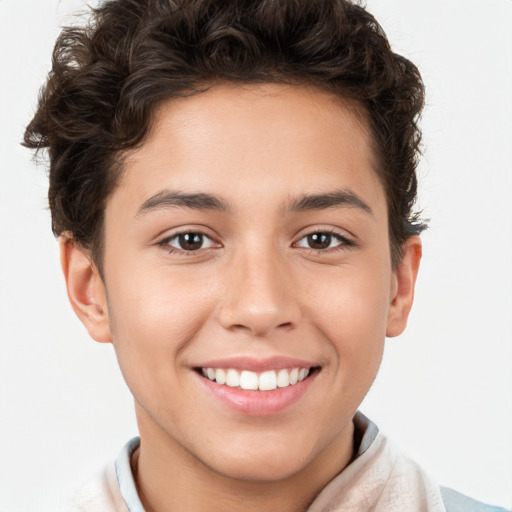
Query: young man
[233,184]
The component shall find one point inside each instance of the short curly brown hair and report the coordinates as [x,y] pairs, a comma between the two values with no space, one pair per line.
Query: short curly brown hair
[109,75]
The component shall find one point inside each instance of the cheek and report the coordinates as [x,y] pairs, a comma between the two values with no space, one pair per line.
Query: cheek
[152,318]
[351,311]
[157,300]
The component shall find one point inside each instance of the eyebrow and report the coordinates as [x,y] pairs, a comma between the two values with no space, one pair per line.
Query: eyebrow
[344,197]
[201,201]
[168,199]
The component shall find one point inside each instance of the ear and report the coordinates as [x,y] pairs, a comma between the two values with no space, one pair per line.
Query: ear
[86,290]
[402,287]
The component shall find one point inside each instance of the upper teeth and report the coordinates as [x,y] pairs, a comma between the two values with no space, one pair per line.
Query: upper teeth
[265,381]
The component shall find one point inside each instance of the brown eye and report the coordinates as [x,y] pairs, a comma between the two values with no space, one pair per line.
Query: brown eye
[322,240]
[319,240]
[191,241]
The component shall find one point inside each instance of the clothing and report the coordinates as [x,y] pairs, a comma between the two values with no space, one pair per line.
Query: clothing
[379,479]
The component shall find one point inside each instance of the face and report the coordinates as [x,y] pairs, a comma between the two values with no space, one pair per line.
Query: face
[248,241]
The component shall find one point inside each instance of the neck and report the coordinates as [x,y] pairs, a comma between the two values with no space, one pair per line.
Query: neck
[170,478]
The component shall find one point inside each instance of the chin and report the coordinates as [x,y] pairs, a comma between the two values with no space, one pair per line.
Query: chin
[264,461]
[261,469]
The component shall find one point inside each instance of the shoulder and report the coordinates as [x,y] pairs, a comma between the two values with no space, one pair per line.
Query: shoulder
[99,494]
[111,490]
[456,502]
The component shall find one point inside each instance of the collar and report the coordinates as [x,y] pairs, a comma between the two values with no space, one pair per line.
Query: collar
[365,432]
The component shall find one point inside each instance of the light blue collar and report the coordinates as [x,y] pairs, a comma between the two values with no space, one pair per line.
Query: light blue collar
[125,476]
[366,429]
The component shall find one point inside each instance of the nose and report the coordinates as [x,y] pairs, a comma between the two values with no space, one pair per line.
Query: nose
[260,296]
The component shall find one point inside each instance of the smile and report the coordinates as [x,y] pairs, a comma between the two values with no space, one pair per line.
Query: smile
[249,380]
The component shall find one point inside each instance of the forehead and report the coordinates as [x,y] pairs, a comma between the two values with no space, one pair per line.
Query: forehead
[236,140]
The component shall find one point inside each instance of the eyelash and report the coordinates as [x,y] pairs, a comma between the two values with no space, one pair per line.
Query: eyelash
[165,243]
[344,242]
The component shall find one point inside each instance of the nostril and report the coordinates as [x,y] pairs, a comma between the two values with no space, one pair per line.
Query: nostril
[240,327]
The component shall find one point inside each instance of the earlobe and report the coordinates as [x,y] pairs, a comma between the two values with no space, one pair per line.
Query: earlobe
[86,291]
[402,295]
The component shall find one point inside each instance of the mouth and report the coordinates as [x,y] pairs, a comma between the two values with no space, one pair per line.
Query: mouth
[248,380]
[257,387]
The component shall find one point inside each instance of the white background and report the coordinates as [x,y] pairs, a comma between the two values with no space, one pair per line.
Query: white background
[445,389]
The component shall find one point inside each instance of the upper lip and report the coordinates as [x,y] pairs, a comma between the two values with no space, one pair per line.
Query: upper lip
[257,364]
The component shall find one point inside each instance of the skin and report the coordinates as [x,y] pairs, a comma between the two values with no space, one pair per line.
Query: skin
[255,288]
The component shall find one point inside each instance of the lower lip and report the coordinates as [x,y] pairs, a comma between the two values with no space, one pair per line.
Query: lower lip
[258,403]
